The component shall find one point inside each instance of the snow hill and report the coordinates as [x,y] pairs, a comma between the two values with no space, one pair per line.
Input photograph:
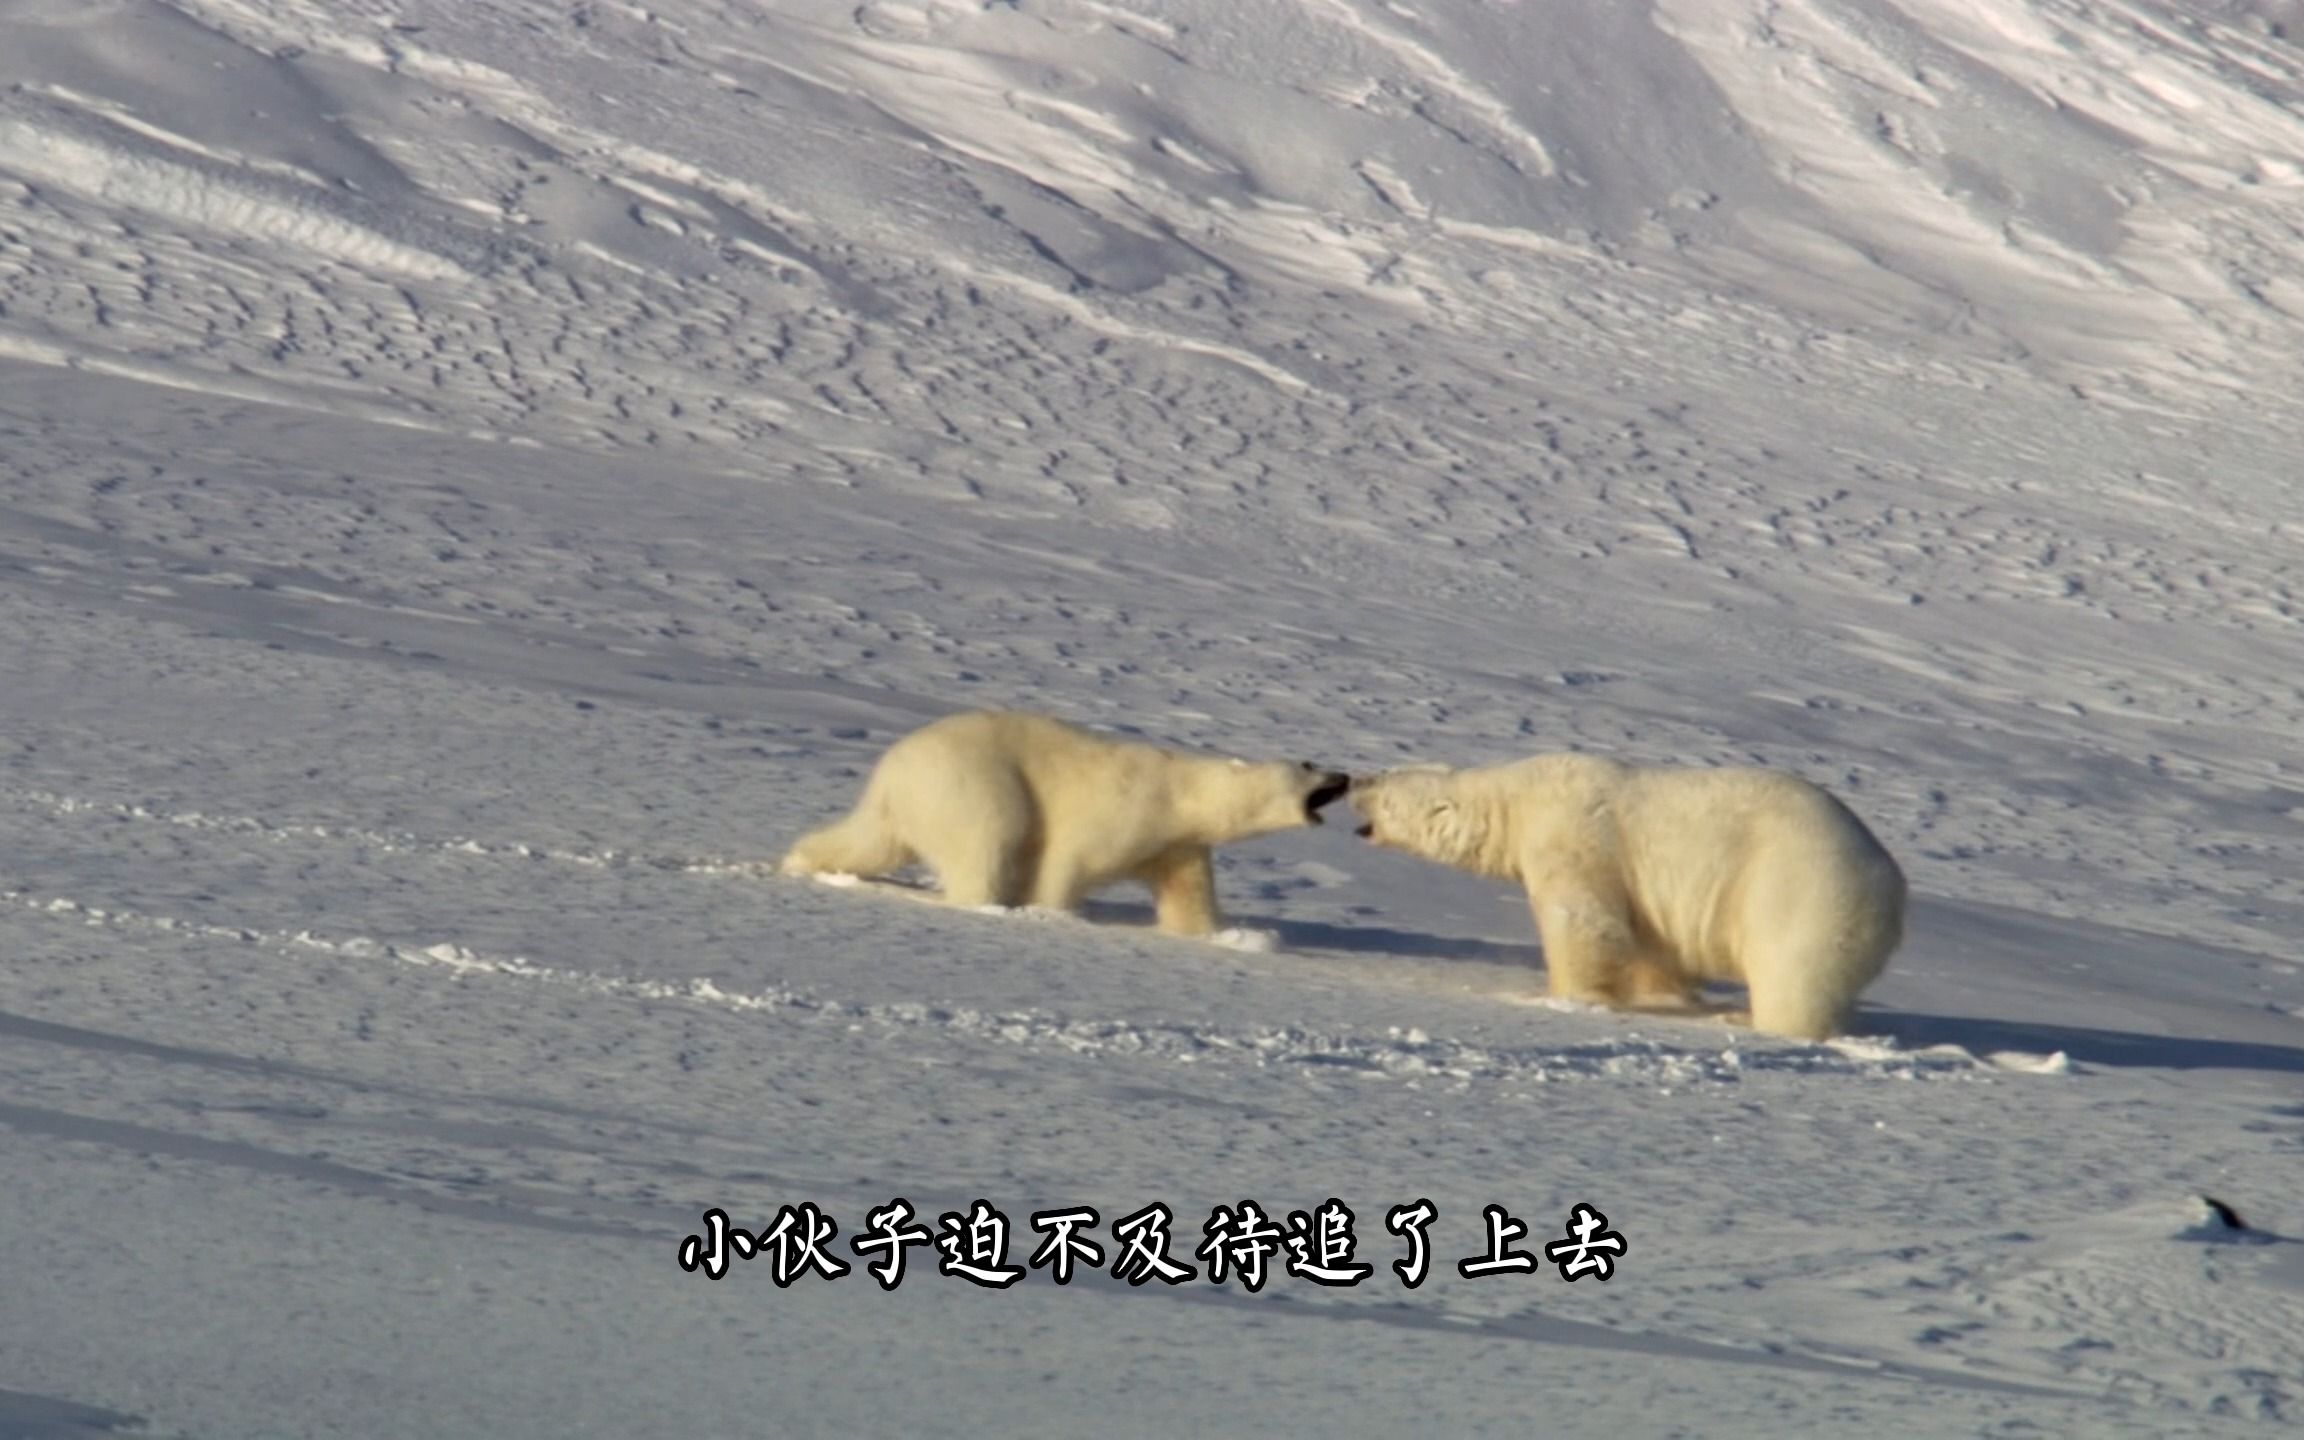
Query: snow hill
[477,479]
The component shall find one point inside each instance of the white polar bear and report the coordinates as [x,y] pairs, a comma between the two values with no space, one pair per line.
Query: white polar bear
[1648,881]
[1011,808]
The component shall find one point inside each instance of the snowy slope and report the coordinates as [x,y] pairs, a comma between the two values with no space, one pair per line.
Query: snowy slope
[479,478]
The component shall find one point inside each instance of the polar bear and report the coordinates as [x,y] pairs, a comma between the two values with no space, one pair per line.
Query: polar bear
[1647,881]
[1012,808]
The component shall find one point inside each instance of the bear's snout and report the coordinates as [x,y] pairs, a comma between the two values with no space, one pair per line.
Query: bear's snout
[1332,787]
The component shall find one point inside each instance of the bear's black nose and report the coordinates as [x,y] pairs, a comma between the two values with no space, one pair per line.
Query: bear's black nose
[1333,784]
[1367,831]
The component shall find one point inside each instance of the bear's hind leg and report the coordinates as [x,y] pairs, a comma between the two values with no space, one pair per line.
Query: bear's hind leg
[1183,882]
[1801,1002]
[1653,982]
[1816,940]
[1057,885]
[862,843]
[982,868]
[1806,986]
[978,828]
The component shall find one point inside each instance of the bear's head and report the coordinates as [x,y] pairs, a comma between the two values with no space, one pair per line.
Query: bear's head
[1269,795]
[1416,809]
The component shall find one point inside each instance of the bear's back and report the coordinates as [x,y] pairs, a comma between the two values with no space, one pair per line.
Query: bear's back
[1749,806]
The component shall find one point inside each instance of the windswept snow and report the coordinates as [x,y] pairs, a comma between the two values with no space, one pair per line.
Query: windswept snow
[478,479]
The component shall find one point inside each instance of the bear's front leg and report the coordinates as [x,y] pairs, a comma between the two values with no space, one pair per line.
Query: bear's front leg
[1183,882]
[1588,947]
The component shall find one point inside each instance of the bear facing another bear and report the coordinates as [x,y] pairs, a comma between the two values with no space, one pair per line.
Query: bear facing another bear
[1010,808]
[1647,881]
[1644,881]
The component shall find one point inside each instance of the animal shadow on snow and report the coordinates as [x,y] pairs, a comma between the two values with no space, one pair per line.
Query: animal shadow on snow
[1378,942]
[2003,957]
[1911,1029]
[2089,1046]
[1382,940]
[1353,938]
[1303,934]
[25,1416]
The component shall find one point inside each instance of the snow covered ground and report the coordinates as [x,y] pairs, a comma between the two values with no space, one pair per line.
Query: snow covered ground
[477,478]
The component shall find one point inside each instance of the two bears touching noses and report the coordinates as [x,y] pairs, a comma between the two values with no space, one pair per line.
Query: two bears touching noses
[1645,881]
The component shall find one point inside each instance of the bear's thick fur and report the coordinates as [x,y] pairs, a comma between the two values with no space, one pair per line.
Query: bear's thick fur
[1010,808]
[1648,881]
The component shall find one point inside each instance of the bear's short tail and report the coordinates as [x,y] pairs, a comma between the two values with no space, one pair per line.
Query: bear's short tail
[862,843]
